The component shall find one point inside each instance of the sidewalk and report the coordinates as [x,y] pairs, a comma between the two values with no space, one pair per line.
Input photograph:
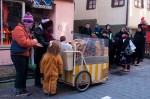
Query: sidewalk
[133,85]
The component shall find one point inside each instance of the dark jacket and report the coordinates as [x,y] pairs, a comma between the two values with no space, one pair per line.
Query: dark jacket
[41,37]
[139,37]
[139,41]
[109,39]
[86,31]
[125,44]
[97,32]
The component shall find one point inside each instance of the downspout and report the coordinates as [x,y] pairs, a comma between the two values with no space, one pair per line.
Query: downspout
[127,11]
[1,23]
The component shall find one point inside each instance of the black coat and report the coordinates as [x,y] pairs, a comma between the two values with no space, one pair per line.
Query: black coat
[124,59]
[125,44]
[41,37]
[110,40]
[139,41]
[86,31]
[118,42]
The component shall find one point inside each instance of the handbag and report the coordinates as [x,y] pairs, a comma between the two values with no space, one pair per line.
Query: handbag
[16,48]
[128,50]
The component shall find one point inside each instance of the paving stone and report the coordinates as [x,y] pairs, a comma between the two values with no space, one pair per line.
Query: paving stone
[132,85]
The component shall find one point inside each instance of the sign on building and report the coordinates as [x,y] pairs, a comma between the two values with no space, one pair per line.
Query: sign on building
[43,4]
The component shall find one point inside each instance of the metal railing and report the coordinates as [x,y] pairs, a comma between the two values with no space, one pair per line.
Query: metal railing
[147,50]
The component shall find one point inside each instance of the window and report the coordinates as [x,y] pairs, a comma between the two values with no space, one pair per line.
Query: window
[148,4]
[11,14]
[117,3]
[91,4]
[139,3]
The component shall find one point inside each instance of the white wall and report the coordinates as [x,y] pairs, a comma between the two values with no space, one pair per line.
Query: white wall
[108,15]
[135,14]
[81,12]
[104,13]
[64,19]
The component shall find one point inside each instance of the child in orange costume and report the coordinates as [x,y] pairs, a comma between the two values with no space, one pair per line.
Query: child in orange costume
[51,67]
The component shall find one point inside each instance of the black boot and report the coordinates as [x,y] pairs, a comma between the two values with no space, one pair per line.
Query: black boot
[39,85]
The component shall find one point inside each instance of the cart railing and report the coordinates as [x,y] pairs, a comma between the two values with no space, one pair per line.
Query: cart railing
[147,50]
[83,62]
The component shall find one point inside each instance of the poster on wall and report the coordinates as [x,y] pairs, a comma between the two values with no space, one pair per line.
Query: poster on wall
[43,4]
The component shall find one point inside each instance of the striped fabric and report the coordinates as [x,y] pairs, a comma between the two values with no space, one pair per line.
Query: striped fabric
[98,72]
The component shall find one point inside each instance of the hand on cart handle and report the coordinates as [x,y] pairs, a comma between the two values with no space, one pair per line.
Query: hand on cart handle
[60,75]
[42,75]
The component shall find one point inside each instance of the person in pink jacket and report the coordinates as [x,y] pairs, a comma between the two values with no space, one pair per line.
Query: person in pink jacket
[21,36]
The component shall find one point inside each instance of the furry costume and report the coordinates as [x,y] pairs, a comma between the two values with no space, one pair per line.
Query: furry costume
[51,67]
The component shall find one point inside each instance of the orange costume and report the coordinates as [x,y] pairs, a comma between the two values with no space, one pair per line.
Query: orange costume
[51,67]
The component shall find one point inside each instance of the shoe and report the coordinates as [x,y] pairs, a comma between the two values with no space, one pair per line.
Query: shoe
[26,91]
[137,64]
[141,60]
[39,85]
[47,94]
[20,92]
[126,70]
[121,68]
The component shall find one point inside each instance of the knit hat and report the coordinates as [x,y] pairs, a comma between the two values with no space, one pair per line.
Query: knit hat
[62,38]
[45,20]
[143,18]
[28,16]
[46,23]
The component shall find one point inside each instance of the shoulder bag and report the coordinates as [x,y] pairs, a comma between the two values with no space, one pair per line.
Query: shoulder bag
[16,48]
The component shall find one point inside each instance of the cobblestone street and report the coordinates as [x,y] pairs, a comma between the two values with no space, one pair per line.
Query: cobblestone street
[133,85]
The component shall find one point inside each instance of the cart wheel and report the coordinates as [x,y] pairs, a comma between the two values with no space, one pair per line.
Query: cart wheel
[82,81]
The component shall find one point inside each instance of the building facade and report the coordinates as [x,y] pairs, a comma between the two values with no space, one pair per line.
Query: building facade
[61,12]
[117,13]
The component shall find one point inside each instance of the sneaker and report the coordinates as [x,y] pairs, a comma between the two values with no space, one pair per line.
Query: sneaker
[121,68]
[26,91]
[20,92]
[126,70]
[137,64]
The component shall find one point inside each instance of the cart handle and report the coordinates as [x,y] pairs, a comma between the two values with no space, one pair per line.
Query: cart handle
[72,52]
[81,56]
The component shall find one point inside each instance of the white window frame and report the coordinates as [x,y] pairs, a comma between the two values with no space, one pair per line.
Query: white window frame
[118,2]
[92,1]
[136,3]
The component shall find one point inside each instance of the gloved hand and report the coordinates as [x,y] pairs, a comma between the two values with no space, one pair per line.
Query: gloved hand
[60,75]
[39,45]
[42,75]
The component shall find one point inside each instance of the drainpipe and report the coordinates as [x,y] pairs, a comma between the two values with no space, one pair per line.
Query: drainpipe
[127,11]
[1,23]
